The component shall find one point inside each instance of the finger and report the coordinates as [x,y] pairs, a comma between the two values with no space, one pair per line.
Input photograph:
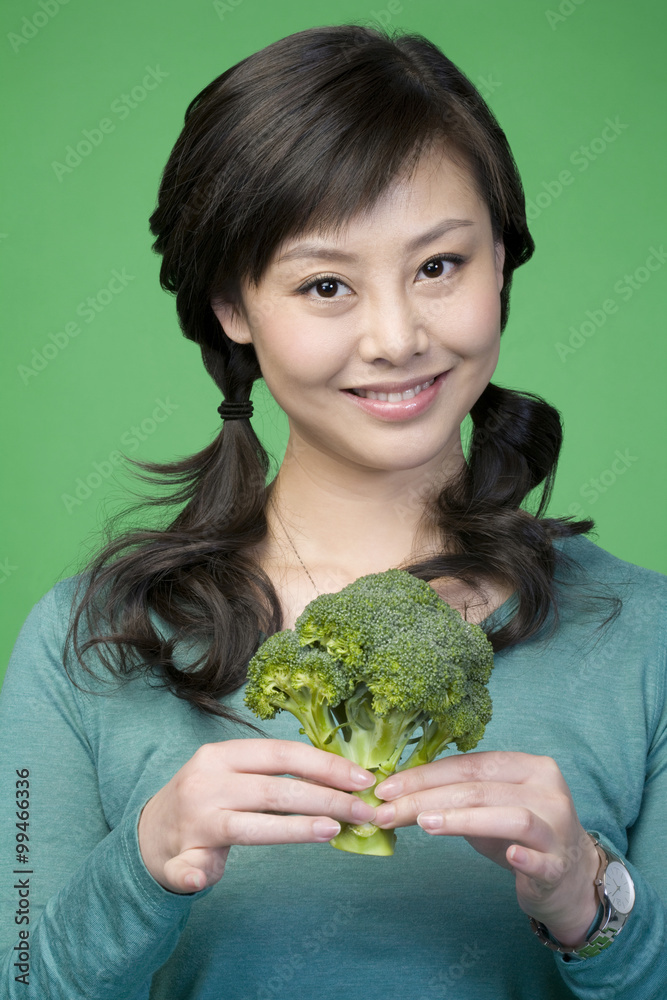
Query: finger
[271,794]
[287,757]
[404,811]
[519,825]
[259,828]
[487,765]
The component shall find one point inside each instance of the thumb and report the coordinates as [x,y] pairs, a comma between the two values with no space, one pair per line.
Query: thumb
[195,869]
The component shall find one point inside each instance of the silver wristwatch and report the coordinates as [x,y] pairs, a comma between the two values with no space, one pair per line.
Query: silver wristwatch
[617,895]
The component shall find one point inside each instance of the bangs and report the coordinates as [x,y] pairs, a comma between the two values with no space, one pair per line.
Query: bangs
[304,135]
[322,140]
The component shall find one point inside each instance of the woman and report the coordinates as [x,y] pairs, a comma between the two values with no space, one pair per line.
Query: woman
[341,216]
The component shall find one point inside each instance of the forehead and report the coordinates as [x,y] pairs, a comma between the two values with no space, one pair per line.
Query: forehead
[438,196]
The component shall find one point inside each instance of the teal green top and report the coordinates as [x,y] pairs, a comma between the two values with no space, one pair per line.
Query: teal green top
[305,921]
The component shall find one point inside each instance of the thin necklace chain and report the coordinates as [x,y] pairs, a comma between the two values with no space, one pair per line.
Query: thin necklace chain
[294,548]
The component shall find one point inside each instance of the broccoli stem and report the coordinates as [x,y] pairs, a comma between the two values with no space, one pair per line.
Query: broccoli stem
[380,843]
[366,838]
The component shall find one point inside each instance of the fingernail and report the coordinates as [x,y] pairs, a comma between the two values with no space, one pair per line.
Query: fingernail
[325,829]
[385,814]
[429,821]
[362,810]
[388,788]
[518,855]
[193,881]
[362,778]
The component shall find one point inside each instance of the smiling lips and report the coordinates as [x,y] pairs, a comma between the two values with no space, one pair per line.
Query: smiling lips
[393,397]
[397,401]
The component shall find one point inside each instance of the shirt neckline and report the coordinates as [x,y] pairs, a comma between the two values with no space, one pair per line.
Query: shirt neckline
[501,615]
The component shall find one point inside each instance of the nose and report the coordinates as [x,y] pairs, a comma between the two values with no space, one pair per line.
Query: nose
[394,333]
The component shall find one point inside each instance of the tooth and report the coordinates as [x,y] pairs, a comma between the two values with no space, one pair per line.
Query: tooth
[393,397]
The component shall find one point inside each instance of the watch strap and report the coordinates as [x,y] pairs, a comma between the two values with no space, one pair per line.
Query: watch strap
[598,937]
[597,941]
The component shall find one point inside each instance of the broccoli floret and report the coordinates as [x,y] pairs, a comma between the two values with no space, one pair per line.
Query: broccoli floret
[368,671]
[284,675]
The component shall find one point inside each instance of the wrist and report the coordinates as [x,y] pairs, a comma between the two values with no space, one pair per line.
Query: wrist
[572,924]
[572,930]
[576,936]
[148,847]
[617,895]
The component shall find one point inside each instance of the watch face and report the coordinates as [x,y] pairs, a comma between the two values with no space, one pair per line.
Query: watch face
[619,887]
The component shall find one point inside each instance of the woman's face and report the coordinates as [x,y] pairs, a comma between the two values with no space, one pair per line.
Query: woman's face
[377,341]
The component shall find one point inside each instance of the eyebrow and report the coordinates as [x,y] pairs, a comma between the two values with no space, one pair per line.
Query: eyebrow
[320,250]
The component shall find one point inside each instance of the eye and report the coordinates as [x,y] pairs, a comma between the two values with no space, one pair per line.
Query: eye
[326,284]
[442,266]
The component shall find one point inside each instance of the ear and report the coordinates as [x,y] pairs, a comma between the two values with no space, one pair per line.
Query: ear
[232,321]
[500,263]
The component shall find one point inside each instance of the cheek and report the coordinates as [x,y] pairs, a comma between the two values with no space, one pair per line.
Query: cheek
[294,355]
[476,325]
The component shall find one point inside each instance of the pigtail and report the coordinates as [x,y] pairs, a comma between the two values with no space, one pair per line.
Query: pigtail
[489,532]
[193,573]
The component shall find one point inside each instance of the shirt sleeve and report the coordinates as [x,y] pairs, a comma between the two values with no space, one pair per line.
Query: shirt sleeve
[80,914]
[634,966]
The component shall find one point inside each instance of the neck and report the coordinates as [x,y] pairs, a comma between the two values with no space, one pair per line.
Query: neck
[349,521]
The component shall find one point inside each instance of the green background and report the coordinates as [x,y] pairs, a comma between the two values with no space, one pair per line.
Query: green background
[553,73]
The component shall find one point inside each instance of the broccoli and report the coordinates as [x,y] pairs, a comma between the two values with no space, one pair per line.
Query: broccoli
[367,668]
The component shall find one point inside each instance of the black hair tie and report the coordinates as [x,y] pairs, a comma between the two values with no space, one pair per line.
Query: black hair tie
[235,411]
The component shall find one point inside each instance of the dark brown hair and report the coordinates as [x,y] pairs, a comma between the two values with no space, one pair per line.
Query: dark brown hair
[297,137]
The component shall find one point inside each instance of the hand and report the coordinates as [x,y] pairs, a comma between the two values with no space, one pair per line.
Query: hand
[517,810]
[229,793]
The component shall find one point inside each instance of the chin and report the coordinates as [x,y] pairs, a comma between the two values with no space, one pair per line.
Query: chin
[415,460]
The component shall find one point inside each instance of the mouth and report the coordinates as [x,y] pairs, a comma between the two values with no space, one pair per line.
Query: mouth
[398,401]
[394,392]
